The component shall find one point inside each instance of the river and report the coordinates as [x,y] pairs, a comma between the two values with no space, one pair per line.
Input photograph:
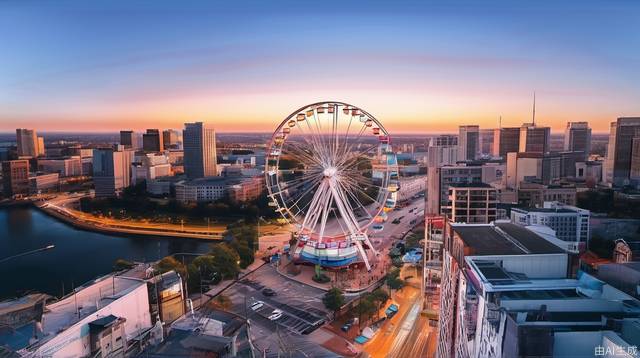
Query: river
[78,256]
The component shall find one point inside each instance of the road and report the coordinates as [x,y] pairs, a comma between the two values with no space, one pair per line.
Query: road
[407,334]
[60,206]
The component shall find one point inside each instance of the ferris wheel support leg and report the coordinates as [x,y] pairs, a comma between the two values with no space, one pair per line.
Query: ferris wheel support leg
[373,249]
[364,255]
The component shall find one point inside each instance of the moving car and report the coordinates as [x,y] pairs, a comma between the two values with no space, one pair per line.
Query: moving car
[257,305]
[276,314]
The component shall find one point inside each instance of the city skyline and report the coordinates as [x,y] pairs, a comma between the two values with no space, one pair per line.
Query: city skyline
[419,67]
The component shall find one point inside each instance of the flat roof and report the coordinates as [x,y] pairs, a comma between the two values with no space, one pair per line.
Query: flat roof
[503,239]
[545,210]
[470,185]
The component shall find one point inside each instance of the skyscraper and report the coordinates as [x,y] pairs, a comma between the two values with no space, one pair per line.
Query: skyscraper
[577,137]
[486,141]
[534,139]
[620,150]
[468,142]
[111,170]
[27,142]
[152,141]
[128,139]
[15,177]
[199,145]
[170,138]
[442,150]
[506,140]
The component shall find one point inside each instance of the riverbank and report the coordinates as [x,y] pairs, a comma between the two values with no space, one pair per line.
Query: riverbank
[68,217]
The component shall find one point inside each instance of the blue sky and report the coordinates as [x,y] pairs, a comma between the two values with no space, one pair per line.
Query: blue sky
[246,64]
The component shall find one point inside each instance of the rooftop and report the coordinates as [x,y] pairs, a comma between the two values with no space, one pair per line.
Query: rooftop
[470,185]
[503,239]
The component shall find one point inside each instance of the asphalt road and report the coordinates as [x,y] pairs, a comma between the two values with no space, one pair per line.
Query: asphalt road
[302,307]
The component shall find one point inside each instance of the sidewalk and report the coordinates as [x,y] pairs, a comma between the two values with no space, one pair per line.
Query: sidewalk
[353,281]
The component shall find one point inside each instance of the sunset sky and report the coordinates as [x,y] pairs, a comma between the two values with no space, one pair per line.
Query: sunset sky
[245,65]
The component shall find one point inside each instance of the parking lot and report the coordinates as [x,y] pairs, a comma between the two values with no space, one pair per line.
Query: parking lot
[302,312]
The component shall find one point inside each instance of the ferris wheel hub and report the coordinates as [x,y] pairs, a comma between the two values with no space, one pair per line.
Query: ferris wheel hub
[329,172]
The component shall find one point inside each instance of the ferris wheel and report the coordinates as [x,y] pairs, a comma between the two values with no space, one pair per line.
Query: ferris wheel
[331,171]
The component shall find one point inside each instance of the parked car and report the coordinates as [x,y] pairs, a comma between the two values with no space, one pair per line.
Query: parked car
[276,314]
[346,327]
[268,292]
[257,305]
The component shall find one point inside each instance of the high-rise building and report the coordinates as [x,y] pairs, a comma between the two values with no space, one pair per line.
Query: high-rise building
[577,138]
[41,150]
[15,177]
[171,139]
[440,178]
[486,141]
[442,150]
[505,140]
[199,143]
[27,143]
[473,203]
[152,141]
[111,170]
[534,139]
[129,139]
[468,142]
[620,150]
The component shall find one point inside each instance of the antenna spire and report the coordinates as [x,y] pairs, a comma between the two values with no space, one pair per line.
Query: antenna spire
[534,109]
[500,122]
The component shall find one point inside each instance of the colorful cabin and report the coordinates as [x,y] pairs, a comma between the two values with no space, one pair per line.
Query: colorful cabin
[300,117]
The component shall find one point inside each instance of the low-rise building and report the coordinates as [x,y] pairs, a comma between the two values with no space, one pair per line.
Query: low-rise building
[569,223]
[215,188]
[534,195]
[97,319]
[245,190]
[15,177]
[65,167]
[201,190]
[44,183]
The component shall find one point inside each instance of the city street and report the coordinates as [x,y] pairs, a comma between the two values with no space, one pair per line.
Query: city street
[408,326]
[303,313]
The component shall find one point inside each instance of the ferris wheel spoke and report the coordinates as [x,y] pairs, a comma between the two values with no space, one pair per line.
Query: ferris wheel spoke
[355,199]
[355,141]
[300,153]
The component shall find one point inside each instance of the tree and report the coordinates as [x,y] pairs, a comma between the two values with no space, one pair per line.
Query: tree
[601,246]
[226,260]
[365,308]
[393,279]
[169,263]
[203,268]
[122,264]
[379,297]
[333,300]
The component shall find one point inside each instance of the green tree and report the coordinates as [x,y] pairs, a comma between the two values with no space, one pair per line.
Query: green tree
[226,260]
[393,279]
[333,300]
[379,298]
[202,269]
[365,308]
[169,263]
[122,264]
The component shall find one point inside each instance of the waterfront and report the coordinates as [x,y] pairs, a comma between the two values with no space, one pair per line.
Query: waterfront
[78,255]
